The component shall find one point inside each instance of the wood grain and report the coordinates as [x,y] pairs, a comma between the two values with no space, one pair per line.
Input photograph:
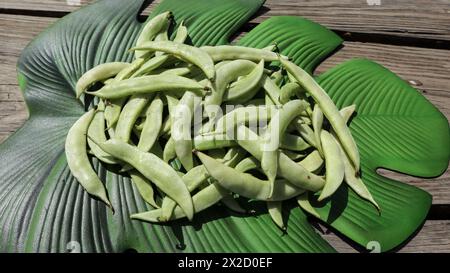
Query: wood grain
[433,237]
[401,18]
[15,33]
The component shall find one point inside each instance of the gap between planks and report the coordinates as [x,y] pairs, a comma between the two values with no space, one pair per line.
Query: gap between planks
[429,67]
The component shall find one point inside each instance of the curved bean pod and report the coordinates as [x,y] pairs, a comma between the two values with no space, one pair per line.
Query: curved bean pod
[317,122]
[147,85]
[247,185]
[185,52]
[277,77]
[275,210]
[287,168]
[244,89]
[182,33]
[328,108]
[293,143]
[271,138]
[350,174]
[98,73]
[347,112]
[249,115]
[114,107]
[208,142]
[249,163]
[355,182]
[96,133]
[151,65]
[194,177]
[129,115]
[144,187]
[289,90]
[154,169]
[305,132]
[228,52]
[334,166]
[151,29]
[169,150]
[226,74]
[202,200]
[313,162]
[152,125]
[272,90]
[181,128]
[240,183]
[78,160]
[231,203]
[303,202]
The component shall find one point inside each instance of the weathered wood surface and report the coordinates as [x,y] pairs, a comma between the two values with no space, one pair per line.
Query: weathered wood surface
[404,20]
[434,237]
[423,19]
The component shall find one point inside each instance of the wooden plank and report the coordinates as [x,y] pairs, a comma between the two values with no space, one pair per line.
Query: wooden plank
[429,66]
[428,69]
[402,18]
[434,237]
[13,111]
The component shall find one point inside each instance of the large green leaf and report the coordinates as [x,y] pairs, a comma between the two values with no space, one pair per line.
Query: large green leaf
[42,207]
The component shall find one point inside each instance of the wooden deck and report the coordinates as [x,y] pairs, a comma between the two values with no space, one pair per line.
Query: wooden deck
[410,37]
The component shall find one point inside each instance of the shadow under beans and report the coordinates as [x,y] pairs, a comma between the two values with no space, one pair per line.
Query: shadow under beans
[338,203]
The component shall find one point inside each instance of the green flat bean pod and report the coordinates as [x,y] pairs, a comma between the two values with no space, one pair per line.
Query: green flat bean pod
[271,139]
[334,166]
[151,29]
[246,88]
[78,160]
[276,213]
[144,187]
[202,200]
[317,122]
[227,52]
[130,113]
[97,74]
[147,85]
[152,125]
[226,74]
[303,202]
[328,108]
[96,133]
[154,169]
[287,168]
[185,52]
[290,90]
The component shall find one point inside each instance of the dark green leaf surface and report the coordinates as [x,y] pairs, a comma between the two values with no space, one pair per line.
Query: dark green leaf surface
[43,208]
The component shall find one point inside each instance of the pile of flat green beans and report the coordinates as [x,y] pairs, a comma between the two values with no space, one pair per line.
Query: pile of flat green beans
[162,121]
